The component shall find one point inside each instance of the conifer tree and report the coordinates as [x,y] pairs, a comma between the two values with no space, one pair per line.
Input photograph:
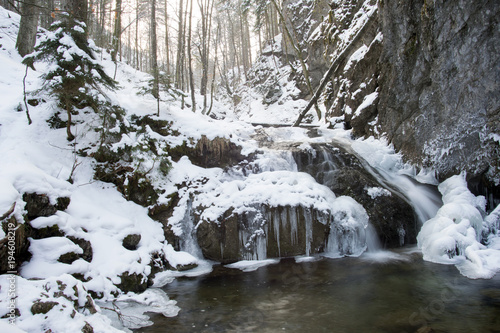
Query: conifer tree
[73,69]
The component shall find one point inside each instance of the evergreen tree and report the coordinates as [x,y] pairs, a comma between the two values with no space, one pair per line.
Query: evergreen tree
[73,69]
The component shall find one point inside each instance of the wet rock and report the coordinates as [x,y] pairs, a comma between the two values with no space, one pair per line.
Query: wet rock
[220,241]
[130,242]
[344,174]
[132,282]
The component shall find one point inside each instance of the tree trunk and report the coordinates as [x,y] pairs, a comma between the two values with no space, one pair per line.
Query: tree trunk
[190,60]
[180,47]
[167,43]
[27,29]
[118,30]
[77,8]
[154,56]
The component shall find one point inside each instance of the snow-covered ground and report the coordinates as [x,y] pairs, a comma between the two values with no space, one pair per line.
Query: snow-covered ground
[36,158]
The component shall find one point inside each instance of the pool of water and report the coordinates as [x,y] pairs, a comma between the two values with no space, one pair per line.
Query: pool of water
[391,292]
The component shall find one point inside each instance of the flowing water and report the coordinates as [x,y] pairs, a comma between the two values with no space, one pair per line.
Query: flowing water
[378,292]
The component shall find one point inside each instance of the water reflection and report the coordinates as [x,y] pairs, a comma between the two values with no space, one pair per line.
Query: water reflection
[398,293]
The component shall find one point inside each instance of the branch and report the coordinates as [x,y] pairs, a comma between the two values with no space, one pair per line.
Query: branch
[24,91]
[331,70]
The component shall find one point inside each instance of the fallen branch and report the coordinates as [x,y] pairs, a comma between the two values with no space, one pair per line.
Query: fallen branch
[332,69]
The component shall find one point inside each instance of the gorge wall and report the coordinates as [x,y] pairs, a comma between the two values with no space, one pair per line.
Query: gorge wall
[423,73]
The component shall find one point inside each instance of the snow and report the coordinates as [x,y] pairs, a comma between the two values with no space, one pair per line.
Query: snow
[355,57]
[367,101]
[375,192]
[38,159]
[252,265]
[454,235]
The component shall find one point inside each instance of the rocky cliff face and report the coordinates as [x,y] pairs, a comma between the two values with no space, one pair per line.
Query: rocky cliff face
[424,73]
[440,83]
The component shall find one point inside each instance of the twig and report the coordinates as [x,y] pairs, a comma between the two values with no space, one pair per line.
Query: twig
[25,102]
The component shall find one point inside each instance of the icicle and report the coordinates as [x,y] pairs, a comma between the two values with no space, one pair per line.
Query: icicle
[308,219]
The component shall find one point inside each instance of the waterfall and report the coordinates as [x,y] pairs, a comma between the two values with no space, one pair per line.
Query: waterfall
[189,242]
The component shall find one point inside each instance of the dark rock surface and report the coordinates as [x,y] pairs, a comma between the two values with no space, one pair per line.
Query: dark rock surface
[344,174]
[434,67]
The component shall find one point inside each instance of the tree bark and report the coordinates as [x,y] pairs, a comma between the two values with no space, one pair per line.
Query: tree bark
[118,29]
[26,37]
[190,60]
[154,56]
[77,8]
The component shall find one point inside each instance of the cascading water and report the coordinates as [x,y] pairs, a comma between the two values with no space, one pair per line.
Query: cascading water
[188,242]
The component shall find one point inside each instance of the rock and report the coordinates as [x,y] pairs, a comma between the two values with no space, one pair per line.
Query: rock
[219,152]
[391,215]
[40,307]
[21,232]
[132,282]
[87,328]
[86,247]
[248,235]
[428,48]
[68,258]
[38,205]
[140,190]
[220,241]
[130,242]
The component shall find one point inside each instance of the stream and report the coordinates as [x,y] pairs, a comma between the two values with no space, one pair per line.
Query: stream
[378,292]
[386,291]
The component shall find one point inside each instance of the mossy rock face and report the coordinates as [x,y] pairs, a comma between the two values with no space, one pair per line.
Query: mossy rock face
[52,231]
[219,152]
[68,258]
[159,126]
[161,213]
[40,307]
[22,232]
[38,205]
[140,190]
[86,247]
[130,242]
[132,282]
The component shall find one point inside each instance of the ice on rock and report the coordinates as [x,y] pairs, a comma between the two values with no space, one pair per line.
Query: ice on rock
[455,234]
[349,222]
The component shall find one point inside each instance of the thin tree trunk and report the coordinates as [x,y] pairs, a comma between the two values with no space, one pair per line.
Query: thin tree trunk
[190,60]
[167,44]
[154,55]
[118,29]
[180,46]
